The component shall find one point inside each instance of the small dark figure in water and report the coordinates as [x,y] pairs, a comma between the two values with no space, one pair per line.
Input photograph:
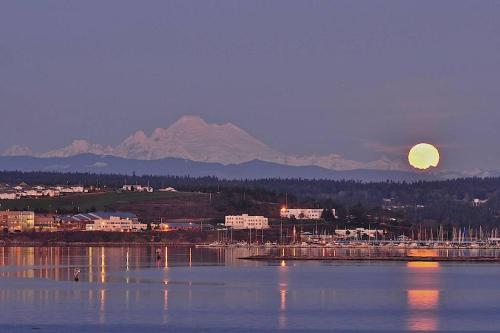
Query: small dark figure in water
[76,274]
[158,254]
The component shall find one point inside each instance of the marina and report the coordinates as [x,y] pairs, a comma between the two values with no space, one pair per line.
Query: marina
[361,244]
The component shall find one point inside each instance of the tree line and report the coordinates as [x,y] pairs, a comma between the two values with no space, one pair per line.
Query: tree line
[446,202]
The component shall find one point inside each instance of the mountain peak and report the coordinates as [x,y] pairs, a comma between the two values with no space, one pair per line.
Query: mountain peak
[196,122]
[80,144]
[139,136]
[190,121]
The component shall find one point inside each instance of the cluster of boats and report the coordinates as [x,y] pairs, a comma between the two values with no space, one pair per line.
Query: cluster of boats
[362,244]
[240,244]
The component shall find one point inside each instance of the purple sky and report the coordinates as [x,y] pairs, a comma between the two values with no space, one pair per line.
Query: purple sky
[358,78]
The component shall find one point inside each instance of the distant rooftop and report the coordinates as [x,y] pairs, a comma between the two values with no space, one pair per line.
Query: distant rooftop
[95,216]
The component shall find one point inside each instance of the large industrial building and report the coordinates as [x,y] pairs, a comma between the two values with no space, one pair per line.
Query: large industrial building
[102,221]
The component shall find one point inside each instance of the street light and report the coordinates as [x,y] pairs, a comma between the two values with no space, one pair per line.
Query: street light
[282,211]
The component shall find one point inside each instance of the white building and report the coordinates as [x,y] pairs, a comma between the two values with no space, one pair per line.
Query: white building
[167,189]
[70,189]
[8,192]
[8,195]
[115,223]
[137,188]
[303,213]
[51,192]
[478,202]
[33,193]
[246,221]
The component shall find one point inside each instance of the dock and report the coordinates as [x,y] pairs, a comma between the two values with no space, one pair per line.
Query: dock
[373,258]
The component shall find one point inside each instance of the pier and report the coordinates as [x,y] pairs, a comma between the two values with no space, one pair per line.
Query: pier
[373,258]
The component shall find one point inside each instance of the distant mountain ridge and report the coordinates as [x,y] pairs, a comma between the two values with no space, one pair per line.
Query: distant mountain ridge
[194,139]
[255,169]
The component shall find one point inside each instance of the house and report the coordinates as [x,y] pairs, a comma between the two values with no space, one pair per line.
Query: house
[478,202]
[23,190]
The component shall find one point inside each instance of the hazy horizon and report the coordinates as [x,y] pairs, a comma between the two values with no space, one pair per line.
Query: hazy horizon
[359,79]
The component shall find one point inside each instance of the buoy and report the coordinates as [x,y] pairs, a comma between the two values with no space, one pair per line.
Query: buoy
[76,274]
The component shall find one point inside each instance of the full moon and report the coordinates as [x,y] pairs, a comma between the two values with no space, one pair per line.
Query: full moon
[423,156]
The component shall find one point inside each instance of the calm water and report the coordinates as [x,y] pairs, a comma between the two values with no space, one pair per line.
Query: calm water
[210,290]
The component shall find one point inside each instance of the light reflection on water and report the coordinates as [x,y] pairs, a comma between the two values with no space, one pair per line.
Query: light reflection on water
[423,253]
[212,288]
[423,264]
[423,301]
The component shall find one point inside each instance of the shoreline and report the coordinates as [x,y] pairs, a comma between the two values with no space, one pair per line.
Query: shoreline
[42,243]
[87,244]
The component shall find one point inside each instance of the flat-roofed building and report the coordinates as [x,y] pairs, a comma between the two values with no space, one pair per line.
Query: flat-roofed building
[246,221]
[45,222]
[116,223]
[303,213]
[17,220]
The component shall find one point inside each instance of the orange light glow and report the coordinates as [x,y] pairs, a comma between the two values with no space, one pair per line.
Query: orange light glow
[282,317]
[423,253]
[422,304]
[423,299]
[422,264]
[423,323]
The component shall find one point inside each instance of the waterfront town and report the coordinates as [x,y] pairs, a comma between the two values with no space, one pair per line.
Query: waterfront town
[297,226]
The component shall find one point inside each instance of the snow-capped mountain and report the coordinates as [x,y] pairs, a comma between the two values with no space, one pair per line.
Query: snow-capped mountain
[18,150]
[194,139]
